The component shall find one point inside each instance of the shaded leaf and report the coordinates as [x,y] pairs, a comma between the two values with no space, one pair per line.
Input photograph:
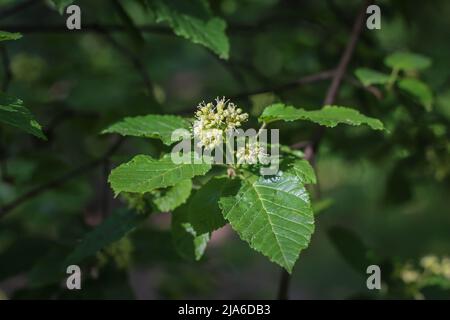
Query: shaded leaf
[150,126]
[369,77]
[198,28]
[352,249]
[62,4]
[18,262]
[407,61]
[144,174]
[329,116]
[204,212]
[14,113]
[49,269]
[273,215]
[111,230]
[174,197]
[188,243]
[419,90]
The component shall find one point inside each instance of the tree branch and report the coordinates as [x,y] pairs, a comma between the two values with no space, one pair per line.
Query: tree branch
[130,55]
[320,76]
[13,9]
[7,78]
[341,69]
[330,98]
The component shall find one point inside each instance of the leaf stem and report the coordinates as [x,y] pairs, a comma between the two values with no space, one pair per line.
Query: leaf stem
[392,78]
[283,289]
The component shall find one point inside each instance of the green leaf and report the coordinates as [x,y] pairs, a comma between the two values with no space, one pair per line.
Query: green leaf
[174,197]
[150,126]
[369,77]
[352,249]
[111,230]
[144,174]
[198,28]
[329,116]
[304,171]
[419,90]
[189,243]
[13,112]
[62,4]
[407,61]
[203,209]
[4,36]
[273,215]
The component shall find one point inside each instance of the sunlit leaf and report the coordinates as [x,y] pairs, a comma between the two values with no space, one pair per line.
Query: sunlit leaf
[407,61]
[150,126]
[144,174]
[329,116]
[4,36]
[273,215]
[369,77]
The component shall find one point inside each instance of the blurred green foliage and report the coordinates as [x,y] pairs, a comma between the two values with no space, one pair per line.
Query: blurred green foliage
[389,192]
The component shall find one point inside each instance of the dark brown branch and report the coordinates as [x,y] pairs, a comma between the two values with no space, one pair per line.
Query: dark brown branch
[330,98]
[320,76]
[85,28]
[15,8]
[346,56]
[7,78]
[284,285]
[61,180]
[341,69]
[370,89]
[131,56]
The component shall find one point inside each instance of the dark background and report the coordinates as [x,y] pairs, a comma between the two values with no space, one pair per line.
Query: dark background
[390,191]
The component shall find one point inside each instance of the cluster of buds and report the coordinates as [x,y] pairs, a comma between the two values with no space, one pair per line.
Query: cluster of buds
[212,121]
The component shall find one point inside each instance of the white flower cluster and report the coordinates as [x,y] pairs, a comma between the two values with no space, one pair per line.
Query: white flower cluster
[431,265]
[212,121]
[436,266]
[251,154]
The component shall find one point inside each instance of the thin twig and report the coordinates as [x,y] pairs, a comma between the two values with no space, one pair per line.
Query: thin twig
[60,180]
[284,285]
[370,89]
[316,77]
[7,78]
[330,98]
[6,63]
[341,69]
[15,8]
[131,56]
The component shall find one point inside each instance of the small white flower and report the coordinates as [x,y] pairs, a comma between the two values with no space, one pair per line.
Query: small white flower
[212,121]
[252,153]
